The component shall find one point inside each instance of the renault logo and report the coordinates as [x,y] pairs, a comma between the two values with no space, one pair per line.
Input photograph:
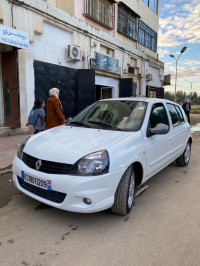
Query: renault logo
[38,164]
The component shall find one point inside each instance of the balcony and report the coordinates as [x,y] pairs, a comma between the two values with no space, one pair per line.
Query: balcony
[100,11]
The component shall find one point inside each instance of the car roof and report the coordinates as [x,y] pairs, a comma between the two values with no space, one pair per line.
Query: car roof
[143,99]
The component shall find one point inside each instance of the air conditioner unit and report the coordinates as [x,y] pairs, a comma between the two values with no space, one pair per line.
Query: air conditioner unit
[74,53]
[149,77]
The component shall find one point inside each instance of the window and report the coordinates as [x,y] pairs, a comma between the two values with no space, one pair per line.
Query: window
[153,4]
[181,117]
[176,114]
[127,22]
[158,115]
[147,37]
[100,11]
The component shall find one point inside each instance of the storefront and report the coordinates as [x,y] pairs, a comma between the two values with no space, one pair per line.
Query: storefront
[106,87]
[10,41]
[154,92]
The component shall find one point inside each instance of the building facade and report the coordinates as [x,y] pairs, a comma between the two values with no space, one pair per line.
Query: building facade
[89,49]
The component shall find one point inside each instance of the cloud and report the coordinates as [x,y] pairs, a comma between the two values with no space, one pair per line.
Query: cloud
[191,62]
[168,6]
[162,53]
[166,40]
[183,73]
[181,27]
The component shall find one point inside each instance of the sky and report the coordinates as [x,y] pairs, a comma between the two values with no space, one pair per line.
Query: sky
[179,26]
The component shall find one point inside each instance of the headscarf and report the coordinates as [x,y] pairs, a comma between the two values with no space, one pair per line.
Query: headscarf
[54,92]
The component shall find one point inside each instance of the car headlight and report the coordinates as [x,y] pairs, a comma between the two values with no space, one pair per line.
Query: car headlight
[21,148]
[96,163]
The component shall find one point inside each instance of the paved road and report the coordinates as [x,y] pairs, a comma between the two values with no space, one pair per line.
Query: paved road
[162,229]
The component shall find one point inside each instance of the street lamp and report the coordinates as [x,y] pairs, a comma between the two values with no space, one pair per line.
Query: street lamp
[176,59]
[191,82]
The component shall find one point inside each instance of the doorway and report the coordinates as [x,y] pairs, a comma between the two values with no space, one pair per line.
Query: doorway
[10,88]
[103,92]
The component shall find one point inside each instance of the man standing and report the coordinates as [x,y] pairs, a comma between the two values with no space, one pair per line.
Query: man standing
[186,107]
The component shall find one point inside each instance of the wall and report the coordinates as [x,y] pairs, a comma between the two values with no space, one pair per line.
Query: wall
[67,6]
[147,16]
[1,96]
[79,13]
[5,18]
[49,47]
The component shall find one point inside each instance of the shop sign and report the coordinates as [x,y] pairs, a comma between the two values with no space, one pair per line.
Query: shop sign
[14,37]
[106,63]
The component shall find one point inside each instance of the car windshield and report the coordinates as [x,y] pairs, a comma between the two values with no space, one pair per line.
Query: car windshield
[112,115]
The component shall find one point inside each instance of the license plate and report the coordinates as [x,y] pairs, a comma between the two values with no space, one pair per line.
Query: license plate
[35,181]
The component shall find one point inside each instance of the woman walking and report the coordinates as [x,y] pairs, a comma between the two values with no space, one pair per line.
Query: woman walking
[37,116]
[54,116]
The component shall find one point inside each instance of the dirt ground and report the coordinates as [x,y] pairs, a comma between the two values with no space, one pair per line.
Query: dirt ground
[195,119]
[163,228]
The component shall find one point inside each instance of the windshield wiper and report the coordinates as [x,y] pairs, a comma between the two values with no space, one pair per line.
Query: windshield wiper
[100,123]
[78,123]
[105,124]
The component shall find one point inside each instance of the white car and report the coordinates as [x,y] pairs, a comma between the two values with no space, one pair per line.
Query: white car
[98,159]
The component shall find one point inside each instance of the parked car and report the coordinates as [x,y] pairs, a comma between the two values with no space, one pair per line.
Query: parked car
[99,159]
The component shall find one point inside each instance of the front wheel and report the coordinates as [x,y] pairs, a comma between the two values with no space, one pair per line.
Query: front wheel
[184,159]
[125,192]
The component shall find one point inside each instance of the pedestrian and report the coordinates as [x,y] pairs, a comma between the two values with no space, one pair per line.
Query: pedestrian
[187,107]
[37,116]
[54,115]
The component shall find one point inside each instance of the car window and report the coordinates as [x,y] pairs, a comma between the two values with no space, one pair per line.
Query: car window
[158,115]
[113,115]
[175,113]
[180,114]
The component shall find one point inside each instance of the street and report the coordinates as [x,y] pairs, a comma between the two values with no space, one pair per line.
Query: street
[162,229]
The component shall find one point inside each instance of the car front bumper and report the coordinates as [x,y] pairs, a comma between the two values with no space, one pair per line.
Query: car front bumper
[100,189]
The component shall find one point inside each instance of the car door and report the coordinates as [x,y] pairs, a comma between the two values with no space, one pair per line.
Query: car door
[159,149]
[179,129]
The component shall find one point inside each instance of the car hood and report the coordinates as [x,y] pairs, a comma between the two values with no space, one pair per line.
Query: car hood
[67,144]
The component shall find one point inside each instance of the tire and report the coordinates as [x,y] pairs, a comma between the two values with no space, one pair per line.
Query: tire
[184,159]
[125,192]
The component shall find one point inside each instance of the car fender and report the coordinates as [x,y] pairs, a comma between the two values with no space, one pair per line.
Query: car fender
[127,152]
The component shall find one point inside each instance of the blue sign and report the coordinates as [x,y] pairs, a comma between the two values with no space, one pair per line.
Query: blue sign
[106,63]
[14,37]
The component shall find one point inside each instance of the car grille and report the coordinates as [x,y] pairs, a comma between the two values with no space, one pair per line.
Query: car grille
[47,166]
[54,196]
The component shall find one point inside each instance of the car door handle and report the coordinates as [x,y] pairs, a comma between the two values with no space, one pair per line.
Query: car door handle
[170,138]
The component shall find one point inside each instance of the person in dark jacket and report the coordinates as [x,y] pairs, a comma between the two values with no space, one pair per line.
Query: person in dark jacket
[54,115]
[187,107]
[39,126]
[41,116]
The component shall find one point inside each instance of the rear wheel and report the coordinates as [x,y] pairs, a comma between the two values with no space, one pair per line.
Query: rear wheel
[125,192]
[184,159]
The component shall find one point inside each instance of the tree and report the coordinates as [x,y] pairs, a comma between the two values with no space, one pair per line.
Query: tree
[169,96]
[181,97]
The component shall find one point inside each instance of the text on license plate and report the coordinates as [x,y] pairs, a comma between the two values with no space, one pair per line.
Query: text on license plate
[35,181]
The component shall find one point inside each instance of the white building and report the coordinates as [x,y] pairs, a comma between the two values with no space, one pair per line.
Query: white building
[89,49]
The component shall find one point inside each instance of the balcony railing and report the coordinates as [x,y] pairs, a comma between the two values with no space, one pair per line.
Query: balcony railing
[100,11]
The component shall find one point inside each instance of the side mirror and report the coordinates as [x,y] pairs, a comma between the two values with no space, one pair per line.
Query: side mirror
[68,120]
[158,129]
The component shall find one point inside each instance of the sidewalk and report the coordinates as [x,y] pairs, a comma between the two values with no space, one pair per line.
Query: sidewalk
[8,149]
